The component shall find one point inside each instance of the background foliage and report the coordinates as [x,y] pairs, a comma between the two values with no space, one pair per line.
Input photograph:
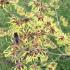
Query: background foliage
[43,28]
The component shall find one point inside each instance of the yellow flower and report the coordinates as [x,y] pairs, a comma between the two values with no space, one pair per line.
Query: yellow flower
[30,14]
[14,1]
[64,21]
[20,11]
[52,65]
[67,50]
